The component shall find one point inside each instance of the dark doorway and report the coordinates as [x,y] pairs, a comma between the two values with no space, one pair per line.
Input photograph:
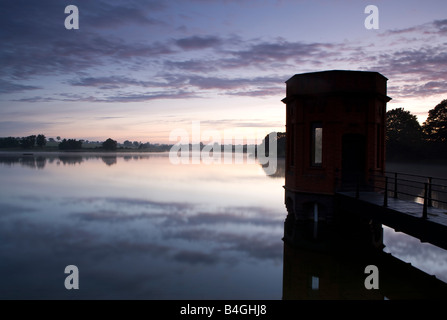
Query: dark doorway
[353,161]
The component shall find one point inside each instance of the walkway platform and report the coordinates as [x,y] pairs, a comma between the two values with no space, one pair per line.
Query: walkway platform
[401,215]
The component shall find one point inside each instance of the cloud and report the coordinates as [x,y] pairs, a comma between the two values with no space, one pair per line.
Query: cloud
[109,216]
[175,81]
[264,92]
[71,54]
[423,61]
[266,54]
[188,222]
[416,53]
[441,25]
[203,82]
[63,52]
[190,81]
[418,72]
[10,87]
[416,60]
[12,209]
[23,128]
[400,31]
[198,42]
[108,118]
[427,257]
[230,215]
[35,41]
[195,257]
[120,97]
[123,202]
[193,65]
[171,86]
[142,97]
[113,14]
[426,89]
[417,32]
[254,123]
[111,82]
[259,247]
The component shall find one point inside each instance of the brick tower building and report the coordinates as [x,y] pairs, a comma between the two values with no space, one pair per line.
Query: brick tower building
[335,126]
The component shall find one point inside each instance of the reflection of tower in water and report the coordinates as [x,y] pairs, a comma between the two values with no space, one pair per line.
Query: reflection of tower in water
[327,260]
[330,264]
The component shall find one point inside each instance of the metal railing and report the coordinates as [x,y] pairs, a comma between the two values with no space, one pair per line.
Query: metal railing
[431,191]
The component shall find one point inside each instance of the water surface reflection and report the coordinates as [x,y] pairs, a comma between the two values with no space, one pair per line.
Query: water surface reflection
[139,227]
[330,264]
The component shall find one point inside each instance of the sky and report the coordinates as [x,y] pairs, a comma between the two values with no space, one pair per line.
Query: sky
[138,70]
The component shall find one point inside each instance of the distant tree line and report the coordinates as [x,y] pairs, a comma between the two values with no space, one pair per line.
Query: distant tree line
[24,142]
[40,141]
[70,144]
[407,139]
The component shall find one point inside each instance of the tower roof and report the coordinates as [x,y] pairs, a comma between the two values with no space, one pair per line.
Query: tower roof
[336,81]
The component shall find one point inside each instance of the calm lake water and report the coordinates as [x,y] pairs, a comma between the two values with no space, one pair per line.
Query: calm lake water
[139,227]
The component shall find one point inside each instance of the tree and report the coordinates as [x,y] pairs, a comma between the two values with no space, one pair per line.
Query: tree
[9,142]
[402,128]
[70,144]
[41,141]
[127,144]
[28,142]
[435,127]
[403,133]
[109,144]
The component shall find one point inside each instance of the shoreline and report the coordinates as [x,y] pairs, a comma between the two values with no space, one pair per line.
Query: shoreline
[85,152]
[29,153]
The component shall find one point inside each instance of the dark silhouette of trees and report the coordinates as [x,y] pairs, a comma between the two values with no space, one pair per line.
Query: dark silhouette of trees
[435,127]
[9,142]
[109,144]
[28,142]
[41,140]
[403,133]
[406,139]
[435,131]
[127,144]
[70,144]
